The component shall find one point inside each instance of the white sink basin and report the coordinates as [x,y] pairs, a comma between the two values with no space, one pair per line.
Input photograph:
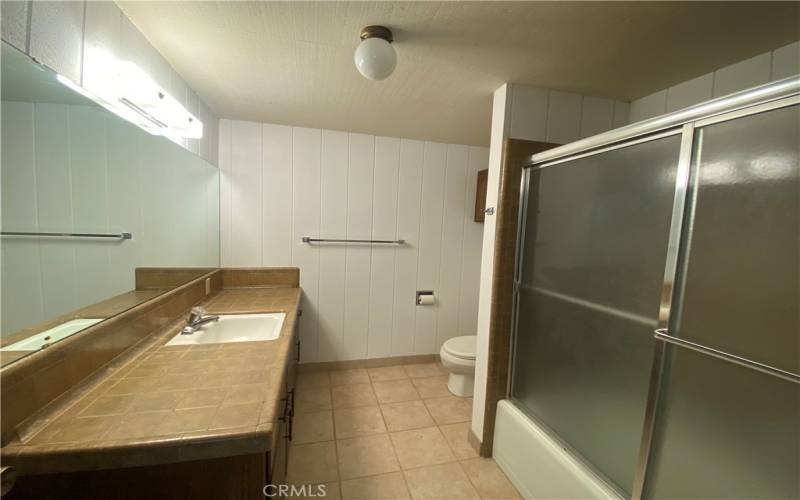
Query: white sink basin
[47,337]
[235,328]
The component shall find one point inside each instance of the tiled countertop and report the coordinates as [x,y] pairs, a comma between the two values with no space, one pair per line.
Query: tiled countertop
[172,403]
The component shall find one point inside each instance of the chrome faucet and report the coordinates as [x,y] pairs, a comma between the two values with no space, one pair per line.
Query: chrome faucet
[197,317]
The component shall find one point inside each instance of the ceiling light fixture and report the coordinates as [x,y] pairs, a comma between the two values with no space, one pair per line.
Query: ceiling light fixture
[375,57]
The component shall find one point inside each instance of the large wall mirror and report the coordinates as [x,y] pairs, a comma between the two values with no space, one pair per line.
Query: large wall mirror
[87,198]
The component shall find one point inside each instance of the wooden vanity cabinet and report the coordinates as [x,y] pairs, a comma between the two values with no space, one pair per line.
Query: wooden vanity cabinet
[278,456]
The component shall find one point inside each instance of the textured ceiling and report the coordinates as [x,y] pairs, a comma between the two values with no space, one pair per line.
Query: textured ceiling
[292,62]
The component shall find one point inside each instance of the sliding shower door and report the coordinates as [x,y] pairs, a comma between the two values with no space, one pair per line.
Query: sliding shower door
[593,251]
[728,429]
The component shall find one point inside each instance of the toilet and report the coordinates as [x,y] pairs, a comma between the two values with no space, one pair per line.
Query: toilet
[458,357]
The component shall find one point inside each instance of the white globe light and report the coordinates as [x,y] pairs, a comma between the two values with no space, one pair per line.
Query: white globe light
[375,58]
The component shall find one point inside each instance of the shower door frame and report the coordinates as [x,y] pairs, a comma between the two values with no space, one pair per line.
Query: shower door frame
[775,95]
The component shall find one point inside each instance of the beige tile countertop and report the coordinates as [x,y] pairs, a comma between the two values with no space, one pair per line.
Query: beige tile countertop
[172,403]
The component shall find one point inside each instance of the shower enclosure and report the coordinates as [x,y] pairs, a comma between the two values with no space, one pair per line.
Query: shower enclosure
[657,300]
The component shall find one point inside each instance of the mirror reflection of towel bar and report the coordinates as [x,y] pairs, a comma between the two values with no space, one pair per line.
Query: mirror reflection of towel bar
[308,239]
[118,236]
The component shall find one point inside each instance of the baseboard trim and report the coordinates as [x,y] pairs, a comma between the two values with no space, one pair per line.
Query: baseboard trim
[481,448]
[367,363]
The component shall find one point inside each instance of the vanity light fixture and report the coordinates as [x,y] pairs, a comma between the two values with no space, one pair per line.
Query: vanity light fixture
[125,89]
[375,57]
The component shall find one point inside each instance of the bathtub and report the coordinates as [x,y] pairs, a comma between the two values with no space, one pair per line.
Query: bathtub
[537,465]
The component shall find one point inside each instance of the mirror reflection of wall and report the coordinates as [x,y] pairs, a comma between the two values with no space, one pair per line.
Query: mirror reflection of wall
[71,166]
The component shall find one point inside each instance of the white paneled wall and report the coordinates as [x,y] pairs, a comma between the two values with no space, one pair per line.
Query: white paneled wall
[281,183]
[62,34]
[545,115]
[764,68]
[81,169]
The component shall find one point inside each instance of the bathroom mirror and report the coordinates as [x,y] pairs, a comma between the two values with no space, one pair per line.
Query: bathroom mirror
[87,199]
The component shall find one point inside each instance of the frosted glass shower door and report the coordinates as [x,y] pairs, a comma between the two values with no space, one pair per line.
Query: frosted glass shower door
[726,430]
[592,267]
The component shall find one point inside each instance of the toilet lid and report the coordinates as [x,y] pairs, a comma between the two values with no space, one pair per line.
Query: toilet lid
[461,347]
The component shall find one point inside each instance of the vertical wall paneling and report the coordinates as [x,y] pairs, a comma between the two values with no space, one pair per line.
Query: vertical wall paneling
[382,264]
[21,284]
[245,185]
[357,262]
[763,68]
[409,195]
[649,106]
[358,298]
[90,198]
[225,192]
[622,111]
[473,237]
[332,257]
[786,61]
[276,247]
[79,168]
[452,242]
[742,75]
[597,116]
[564,117]
[56,36]
[124,200]
[690,92]
[529,113]
[54,207]
[430,242]
[306,152]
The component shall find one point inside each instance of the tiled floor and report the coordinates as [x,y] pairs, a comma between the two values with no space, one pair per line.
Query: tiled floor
[388,433]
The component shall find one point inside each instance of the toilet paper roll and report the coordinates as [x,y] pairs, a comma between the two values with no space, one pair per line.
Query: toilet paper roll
[426,300]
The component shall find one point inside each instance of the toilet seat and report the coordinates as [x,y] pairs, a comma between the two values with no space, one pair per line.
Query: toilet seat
[461,347]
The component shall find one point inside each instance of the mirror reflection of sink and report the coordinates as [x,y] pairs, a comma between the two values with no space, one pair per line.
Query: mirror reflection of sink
[235,328]
[47,337]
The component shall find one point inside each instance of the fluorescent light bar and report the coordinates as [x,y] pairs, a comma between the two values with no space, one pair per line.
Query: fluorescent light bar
[128,91]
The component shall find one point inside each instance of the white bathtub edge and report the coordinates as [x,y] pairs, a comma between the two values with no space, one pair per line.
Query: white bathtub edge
[538,466]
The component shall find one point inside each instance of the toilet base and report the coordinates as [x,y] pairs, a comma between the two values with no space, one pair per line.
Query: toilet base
[461,385]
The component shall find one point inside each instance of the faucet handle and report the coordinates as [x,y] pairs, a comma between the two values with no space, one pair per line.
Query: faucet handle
[196,313]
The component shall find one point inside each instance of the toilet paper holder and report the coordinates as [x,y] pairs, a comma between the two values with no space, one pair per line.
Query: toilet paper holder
[425,298]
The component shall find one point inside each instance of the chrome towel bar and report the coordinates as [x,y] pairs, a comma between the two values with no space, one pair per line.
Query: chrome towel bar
[308,239]
[117,236]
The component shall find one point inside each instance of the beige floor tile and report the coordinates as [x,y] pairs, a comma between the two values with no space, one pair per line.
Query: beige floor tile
[348,377]
[311,399]
[313,379]
[312,463]
[312,427]
[393,391]
[449,410]
[431,387]
[324,491]
[420,447]
[456,436]
[366,456]
[385,373]
[349,396]
[489,480]
[421,370]
[406,415]
[439,482]
[390,486]
[360,421]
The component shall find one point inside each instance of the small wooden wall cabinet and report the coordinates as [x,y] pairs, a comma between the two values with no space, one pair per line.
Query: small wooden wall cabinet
[480,195]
